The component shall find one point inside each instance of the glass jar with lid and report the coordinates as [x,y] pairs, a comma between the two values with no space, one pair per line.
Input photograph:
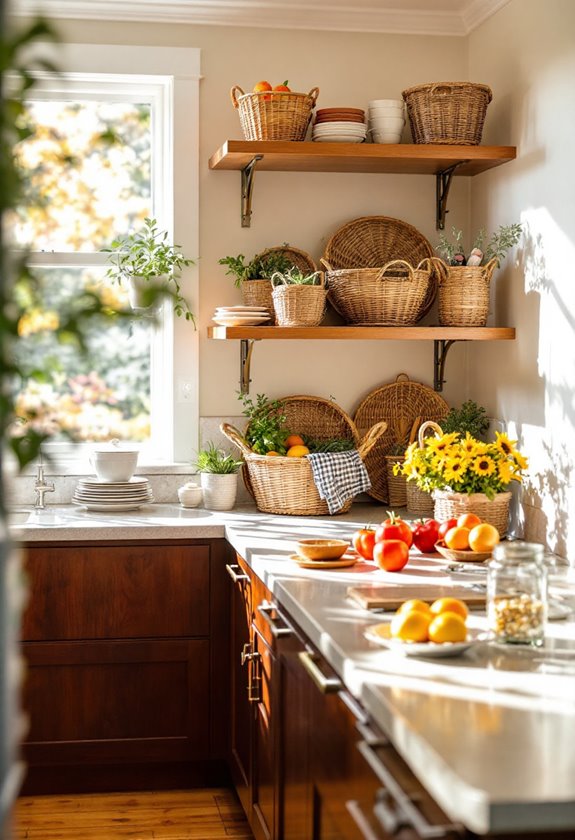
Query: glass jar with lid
[517,593]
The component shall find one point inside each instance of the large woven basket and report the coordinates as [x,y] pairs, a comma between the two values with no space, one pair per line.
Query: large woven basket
[464,295]
[277,115]
[495,511]
[395,295]
[299,306]
[259,293]
[447,112]
[285,486]
[372,241]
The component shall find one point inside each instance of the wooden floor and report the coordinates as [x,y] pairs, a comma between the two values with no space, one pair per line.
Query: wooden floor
[211,814]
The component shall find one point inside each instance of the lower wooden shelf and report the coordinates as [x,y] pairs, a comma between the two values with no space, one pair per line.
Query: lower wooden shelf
[443,338]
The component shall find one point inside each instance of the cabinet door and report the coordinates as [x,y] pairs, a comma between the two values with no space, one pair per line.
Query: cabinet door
[117,592]
[116,702]
[265,769]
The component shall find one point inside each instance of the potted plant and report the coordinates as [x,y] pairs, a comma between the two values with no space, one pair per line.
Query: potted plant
[464,284]
[468,418]
[253,278]
[218,476]
[465,474]
[298,298]
[150,267]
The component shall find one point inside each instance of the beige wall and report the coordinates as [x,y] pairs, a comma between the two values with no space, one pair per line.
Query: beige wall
[526,52]
[304,209]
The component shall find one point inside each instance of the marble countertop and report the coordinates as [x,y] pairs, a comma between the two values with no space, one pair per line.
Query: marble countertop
[489,733]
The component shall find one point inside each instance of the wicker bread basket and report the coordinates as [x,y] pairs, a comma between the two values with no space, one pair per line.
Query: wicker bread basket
[464,295]
[447,112]
[285,486]
[395,295]
[277,115]
[259,292]
[299,306]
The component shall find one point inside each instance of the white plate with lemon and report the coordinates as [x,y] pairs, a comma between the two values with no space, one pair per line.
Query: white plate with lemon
[421,629]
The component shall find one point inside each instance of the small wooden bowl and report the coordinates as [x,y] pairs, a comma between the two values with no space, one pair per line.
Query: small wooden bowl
[322,549]
[466,556]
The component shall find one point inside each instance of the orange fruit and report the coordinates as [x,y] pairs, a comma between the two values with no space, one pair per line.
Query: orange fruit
[284,88]
[414,604]
[410,626]
[447,627]
[297,451]
[262,87]
[483,537]
[457,538]
[272,452]
[294,440]
[468,520]
[453,605]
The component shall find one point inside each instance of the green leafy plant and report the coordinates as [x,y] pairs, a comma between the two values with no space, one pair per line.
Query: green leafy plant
[266,430]
[469,417]
[499,243]
[148,254]
[260,268]
[332,445]
[214,460]
[295,277]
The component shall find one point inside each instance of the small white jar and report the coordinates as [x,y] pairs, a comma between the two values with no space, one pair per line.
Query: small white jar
[190,495]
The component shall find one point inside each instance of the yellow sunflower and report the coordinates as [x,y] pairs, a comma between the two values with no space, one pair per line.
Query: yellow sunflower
[454,470]
[520,460]
[469,444]
[505,471]
[483,465]
[506,446]
[440,444]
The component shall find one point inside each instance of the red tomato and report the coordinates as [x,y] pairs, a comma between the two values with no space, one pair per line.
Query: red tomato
[394,528]
[445,527]
[425,535]
[363,542]
[391,555]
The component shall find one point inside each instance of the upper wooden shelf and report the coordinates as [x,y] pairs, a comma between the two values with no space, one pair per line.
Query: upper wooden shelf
[410,159]
[366,333]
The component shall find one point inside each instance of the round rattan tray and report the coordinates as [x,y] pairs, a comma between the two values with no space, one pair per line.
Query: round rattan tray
[402,404]
[372,241]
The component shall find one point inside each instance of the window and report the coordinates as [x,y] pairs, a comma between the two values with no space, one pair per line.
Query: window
[102,159]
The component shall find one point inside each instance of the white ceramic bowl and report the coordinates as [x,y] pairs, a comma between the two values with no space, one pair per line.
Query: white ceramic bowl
[386,113]
[114,465]
[386,103]
[387,124]
[376,137]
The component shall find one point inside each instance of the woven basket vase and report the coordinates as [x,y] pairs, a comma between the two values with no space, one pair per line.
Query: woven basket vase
[494,511]
[419,502]
[447,112]
[299,306]
[396,484]
[395,295]
[259,293]
[285,486]
[277,115]
[464,295]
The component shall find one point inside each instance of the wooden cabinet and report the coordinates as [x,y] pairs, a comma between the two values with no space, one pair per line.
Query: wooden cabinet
[127,676]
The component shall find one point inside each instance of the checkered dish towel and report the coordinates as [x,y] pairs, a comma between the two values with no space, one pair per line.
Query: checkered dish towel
[338,476]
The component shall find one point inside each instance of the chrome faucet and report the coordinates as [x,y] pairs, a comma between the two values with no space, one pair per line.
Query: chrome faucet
[41,487]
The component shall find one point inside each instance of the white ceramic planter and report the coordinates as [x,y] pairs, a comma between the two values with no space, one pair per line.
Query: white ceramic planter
[137,287]
[220,490]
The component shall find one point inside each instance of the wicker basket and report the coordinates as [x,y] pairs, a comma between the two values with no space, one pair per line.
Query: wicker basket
[495,511]
[259,293]
[419,502]
[395,295]
[447,112]
[277,115]
[299,306]
[285,486]
[372,241]
[396,484]
[464,295]
[301,259]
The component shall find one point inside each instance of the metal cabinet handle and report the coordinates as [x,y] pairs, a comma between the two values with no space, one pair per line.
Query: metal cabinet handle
[235,577]
[253,659]
[360,820]
[264,610]
[327,685]
[402,811]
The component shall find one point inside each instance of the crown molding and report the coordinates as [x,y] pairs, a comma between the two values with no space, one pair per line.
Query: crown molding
[263,14]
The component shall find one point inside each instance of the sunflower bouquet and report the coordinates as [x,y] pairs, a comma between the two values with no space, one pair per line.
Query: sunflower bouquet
[463,464]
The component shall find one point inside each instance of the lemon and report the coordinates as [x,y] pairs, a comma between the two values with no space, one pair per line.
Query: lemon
[447,627]
[297,451]
[414,604]
[449,605]
[410,626]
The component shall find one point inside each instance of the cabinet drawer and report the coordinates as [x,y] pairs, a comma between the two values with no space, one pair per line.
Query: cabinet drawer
[117,592]
[116,701]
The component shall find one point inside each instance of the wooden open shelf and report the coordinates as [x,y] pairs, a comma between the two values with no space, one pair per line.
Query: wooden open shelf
[443,338]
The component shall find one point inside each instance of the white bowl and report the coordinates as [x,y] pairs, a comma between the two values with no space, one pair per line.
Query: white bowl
[386,138]
[386,124]
[387,113]
[386,103]
[114,465]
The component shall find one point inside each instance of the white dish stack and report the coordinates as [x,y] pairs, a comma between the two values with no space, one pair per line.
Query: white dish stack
[95,494]
[386,120]
[240,316]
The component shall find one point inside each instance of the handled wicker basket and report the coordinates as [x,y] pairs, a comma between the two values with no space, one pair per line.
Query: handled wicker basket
[298,305]
[274,115]
[464,295]
[285,485]
[447,112]
[395,295]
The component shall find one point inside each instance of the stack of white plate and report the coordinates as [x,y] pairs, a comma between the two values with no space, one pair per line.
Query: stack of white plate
[386,119]
[339,132]
[238,316]
[94,494]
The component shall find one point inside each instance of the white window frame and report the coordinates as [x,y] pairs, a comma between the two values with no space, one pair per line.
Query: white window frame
[170,78]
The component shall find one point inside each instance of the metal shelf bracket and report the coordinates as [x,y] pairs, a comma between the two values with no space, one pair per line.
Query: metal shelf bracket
[442,185]
[247,174]
[246,348]
[440,349]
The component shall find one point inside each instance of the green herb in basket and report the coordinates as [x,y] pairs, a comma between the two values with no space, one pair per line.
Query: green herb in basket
[266,430]
[260,268]
[333,445]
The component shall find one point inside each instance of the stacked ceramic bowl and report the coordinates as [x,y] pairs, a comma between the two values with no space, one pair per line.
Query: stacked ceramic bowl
[339,125]
[241,316]
[386,119]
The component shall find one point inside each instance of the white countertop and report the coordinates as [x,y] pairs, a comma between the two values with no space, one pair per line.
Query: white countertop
[489,733]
